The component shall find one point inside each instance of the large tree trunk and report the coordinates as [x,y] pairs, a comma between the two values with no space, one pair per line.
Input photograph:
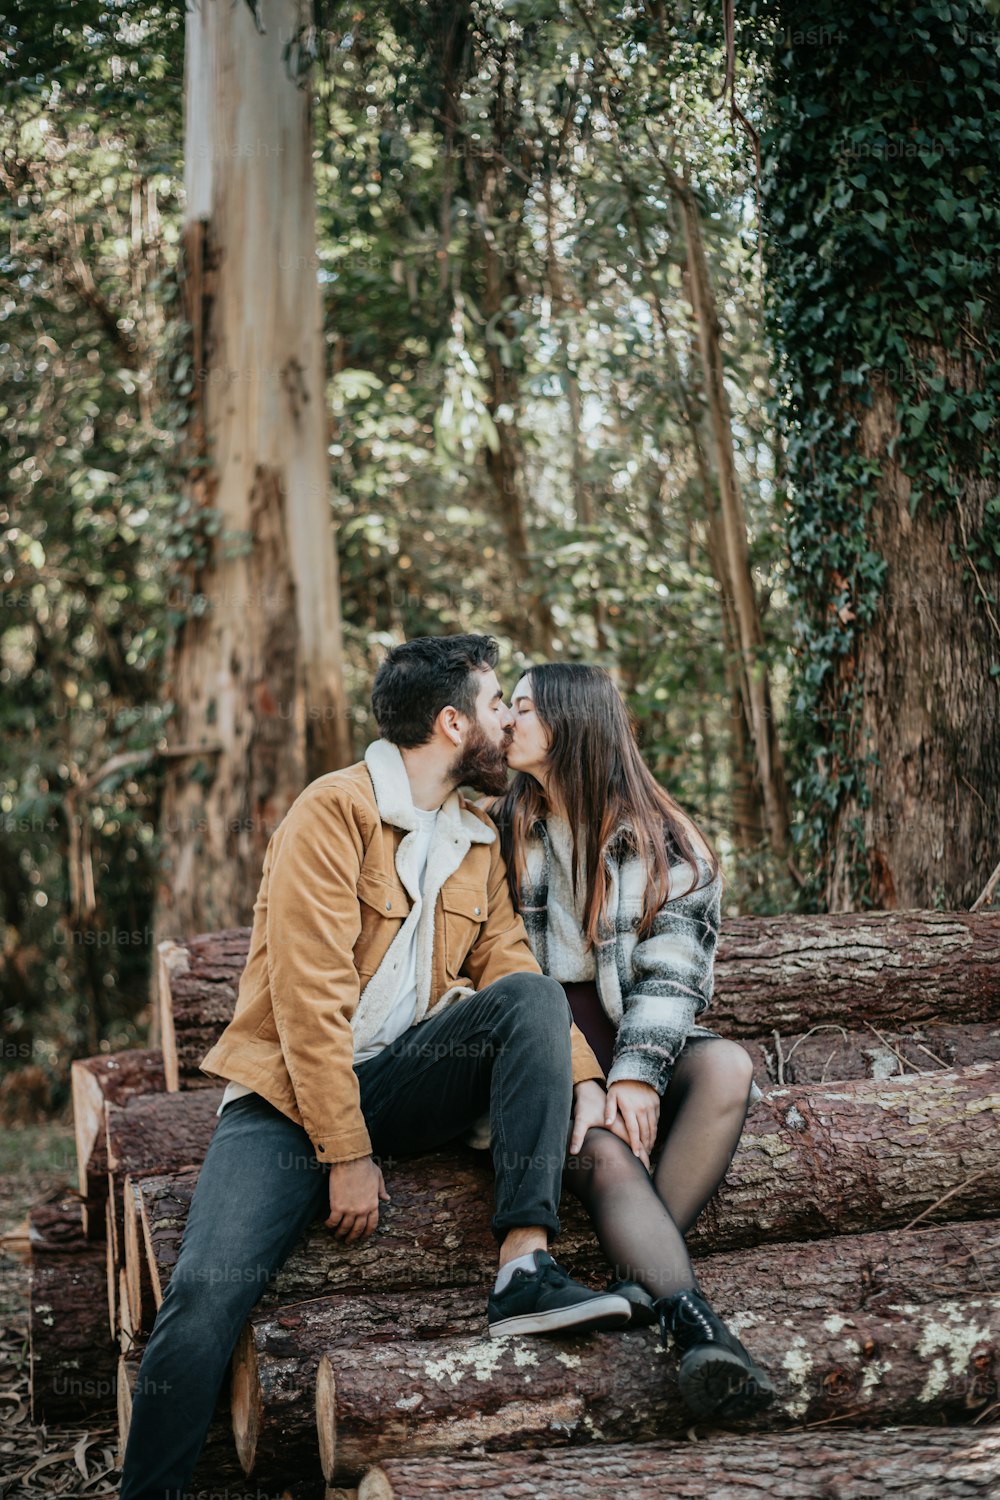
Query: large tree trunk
[883,310]
[930,711]
[278,1353]
[411,1398]
[925,1463]
[255,675]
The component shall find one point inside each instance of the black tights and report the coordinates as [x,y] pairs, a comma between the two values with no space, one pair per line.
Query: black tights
[641,1219]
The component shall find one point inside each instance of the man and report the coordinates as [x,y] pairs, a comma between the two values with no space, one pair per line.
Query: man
[390,998]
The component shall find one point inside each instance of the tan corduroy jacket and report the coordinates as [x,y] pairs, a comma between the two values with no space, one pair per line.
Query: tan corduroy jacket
[337,903]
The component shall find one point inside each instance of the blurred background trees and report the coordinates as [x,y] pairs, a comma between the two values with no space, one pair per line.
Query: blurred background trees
[594,384]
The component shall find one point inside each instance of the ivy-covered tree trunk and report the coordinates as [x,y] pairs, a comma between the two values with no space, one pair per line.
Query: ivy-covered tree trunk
[255,672]
[881,204]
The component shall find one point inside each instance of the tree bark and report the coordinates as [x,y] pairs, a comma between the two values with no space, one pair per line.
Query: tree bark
[866,1153]
[793,972]
[115,1078]
[72,1353]
[784,973]
[275,1364]
[199,984]
[830,1052]
[155,1133]
[930,707]
[414,1398]
[924,1463]
[893,572]
[813,1161]
[255,669]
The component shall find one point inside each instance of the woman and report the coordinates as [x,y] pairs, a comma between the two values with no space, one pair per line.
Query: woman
[620,896]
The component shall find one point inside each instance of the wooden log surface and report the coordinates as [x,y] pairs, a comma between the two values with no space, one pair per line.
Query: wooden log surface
[785,973]
[126,1332]
[813,1161]
[198,984]
[72,1352]
[114,1078]
[155,1132]
[842,1158]
[416,1398]
[218,1473]
[135,1271]
[922,1463]
[275,1362]
[829,1053]
[790,972]
[111,1270]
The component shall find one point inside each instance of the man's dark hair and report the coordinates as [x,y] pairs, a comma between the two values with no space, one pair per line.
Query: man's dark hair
[423,676]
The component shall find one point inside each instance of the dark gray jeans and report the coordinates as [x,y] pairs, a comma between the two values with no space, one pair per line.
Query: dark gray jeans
[505,1050]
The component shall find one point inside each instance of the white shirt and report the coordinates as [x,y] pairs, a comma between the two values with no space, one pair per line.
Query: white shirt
[569,961]
[400,1018]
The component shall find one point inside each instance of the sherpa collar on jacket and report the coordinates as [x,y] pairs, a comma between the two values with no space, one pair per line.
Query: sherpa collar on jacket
[395,799]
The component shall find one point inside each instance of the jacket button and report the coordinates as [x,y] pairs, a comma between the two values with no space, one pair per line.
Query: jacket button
[478,911]
[388,906]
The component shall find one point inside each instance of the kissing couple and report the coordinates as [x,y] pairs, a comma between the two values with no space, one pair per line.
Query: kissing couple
[524,972]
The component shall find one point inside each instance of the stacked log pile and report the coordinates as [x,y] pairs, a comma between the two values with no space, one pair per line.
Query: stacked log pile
[855,1247]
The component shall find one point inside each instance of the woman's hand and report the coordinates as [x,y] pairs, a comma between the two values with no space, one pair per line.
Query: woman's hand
[632,1111]
[589,1105]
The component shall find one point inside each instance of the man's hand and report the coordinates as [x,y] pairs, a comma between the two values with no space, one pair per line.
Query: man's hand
[633,1111]
[356,1189]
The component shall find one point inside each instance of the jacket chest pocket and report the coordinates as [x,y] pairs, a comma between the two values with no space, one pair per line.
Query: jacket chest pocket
[464,910]
[384,905]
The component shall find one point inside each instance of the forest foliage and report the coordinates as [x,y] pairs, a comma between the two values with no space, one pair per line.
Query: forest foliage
[537,136]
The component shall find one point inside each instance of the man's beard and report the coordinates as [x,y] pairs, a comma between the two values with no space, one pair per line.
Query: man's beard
[482,765]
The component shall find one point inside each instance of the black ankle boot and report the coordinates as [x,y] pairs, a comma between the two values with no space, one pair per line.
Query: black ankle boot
[718,1378]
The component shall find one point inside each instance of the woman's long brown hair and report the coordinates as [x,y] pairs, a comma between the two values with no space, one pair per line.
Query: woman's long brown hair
[609,793]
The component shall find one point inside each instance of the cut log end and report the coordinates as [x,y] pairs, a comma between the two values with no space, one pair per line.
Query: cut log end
[247,1407]
[326,1421]
[375,1486]
[135,1252]
[125,1324]
[124,1408]
[173,959]
[109,1251]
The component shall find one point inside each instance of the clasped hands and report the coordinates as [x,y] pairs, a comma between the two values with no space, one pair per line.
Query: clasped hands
[629,1109]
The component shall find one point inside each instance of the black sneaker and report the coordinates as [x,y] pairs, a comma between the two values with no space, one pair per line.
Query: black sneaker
[717,1376]
[638,1299]
[546,1300]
